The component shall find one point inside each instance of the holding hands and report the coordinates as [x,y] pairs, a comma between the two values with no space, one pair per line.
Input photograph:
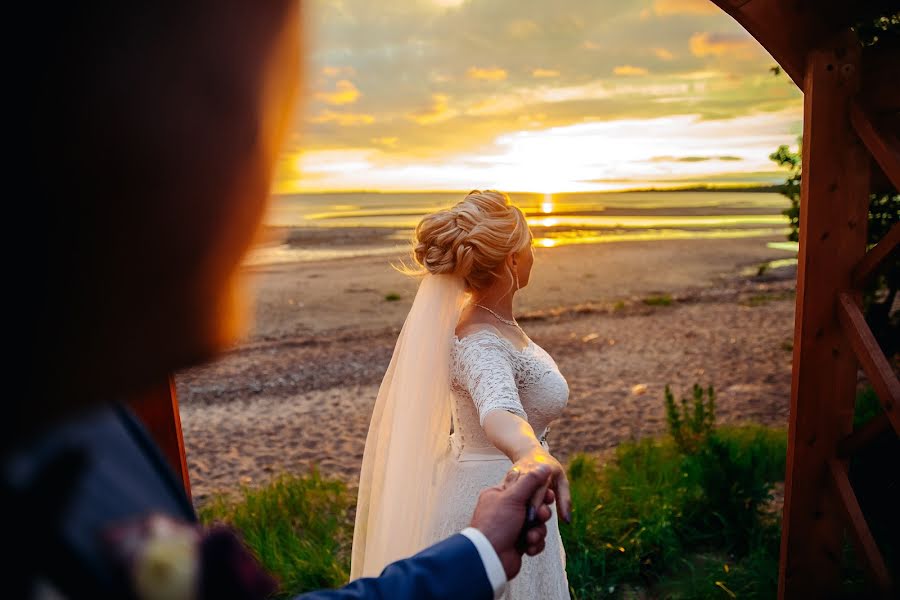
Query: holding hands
[502,510]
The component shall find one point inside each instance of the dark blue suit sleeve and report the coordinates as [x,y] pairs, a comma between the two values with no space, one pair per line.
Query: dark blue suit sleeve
[449,570]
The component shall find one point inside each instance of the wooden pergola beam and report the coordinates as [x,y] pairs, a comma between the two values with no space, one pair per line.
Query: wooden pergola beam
[870,356]
[805,25]
[884,146]
[876,256]
[859,530]
[157,408]
[834,201]
[863,436]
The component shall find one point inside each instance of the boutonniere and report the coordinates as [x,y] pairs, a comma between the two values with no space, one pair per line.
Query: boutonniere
[165,559]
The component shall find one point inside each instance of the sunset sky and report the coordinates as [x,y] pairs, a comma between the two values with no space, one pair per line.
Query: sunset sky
[534,95]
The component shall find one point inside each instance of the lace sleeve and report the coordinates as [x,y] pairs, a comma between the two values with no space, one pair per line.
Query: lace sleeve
[483,368]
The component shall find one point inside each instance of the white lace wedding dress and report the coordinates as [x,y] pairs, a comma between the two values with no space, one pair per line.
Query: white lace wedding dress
[489,373]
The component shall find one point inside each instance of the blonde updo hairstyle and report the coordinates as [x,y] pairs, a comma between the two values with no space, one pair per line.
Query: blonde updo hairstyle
[471,239]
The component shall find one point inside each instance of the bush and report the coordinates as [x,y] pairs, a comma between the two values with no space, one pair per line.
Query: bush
[650,512]
[691,428]
[681,514]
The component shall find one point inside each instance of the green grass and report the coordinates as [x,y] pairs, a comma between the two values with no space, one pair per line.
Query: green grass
[661,300]
[657,518]
[764,299]
[298,527]
[652,519]
[664,517]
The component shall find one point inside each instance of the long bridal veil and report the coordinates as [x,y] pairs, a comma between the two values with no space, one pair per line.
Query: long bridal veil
[409,432]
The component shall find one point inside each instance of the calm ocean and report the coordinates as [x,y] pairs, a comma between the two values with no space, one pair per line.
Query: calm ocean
[558,219]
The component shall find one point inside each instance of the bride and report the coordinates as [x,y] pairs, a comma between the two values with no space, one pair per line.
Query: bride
[466,396]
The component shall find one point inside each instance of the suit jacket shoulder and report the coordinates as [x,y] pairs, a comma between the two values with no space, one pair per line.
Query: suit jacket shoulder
[73,482]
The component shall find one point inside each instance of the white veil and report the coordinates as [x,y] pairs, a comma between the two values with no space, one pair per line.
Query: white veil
[409,432]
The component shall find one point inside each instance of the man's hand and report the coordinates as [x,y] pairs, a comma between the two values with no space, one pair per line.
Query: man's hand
[501,514]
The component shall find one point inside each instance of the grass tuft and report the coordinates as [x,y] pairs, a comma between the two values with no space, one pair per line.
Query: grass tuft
[661,300]
[298,527]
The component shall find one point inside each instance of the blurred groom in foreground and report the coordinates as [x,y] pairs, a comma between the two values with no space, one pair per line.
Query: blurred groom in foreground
[149,136]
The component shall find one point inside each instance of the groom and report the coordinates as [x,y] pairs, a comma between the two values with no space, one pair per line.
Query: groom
[150,131]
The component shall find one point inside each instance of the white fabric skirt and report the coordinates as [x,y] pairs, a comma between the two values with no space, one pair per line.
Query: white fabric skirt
[463,475]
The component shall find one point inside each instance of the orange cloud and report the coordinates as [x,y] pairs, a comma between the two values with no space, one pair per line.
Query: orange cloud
[344,93]
[663,54]
[437,112]
[336,71]
[682,7]
[493,74]
[343,119]
[388,142]
[540,73]
[717,44]
[630,70]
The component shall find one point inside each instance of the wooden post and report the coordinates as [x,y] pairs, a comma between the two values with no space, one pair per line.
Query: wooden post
[833,219]
[157,408]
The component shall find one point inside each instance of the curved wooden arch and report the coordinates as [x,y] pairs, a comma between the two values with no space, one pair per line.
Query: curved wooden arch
[813,43]
[842,134]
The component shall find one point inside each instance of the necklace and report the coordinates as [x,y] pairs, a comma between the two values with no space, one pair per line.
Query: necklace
[507,321]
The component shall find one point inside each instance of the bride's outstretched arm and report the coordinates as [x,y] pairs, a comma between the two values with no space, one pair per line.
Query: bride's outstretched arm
[513,436]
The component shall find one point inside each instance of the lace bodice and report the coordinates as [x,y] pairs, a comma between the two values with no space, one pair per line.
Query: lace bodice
[488,373]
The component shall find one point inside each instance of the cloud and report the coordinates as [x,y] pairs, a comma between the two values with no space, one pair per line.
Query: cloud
[629,70]
[491,74]
[663,54]
[718,44]
[437,112]
[446,77]
[387,141]
[693,159]
[344,93]
[681,7]
[332,71]
[522,28]
[343,119]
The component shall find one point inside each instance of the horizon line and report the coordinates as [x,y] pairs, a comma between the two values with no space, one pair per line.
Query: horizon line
[739,187]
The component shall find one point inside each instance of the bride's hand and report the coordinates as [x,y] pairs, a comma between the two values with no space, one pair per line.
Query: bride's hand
[538,457]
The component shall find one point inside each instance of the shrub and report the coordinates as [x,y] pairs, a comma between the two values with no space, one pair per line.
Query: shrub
[643,518]
[691,428]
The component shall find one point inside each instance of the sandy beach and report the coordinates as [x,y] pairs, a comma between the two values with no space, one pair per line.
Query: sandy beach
[299,390]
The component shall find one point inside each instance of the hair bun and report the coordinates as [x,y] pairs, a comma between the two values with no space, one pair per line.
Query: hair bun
[471,239]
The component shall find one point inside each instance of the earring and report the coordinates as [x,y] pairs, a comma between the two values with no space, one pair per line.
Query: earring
[516,278]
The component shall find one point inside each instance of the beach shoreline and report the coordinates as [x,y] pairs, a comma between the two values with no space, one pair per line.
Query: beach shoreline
[622,320]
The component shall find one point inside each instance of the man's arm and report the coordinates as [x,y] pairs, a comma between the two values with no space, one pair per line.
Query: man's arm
[469,564]
[449,570]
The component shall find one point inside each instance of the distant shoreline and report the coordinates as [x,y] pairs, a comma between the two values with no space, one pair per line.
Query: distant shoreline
[748,189]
